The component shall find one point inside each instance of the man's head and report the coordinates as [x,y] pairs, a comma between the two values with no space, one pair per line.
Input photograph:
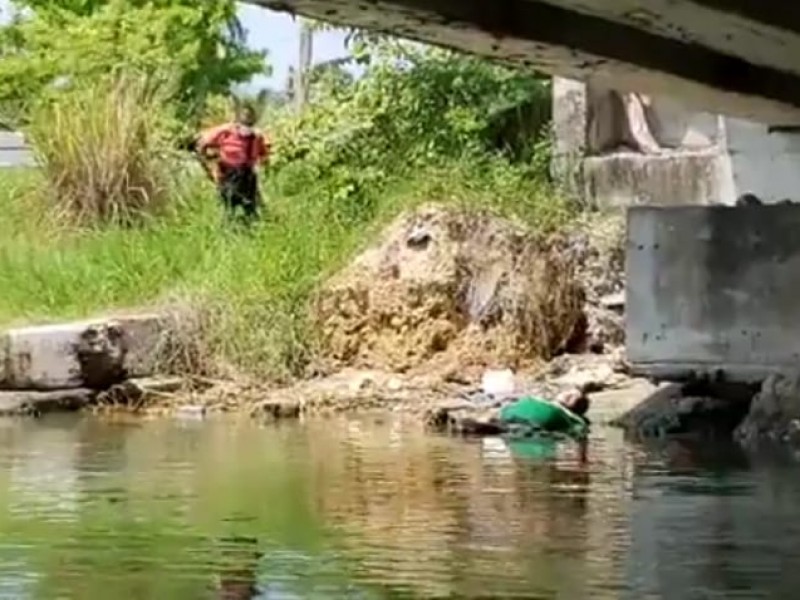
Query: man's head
[246,115]
[574,400]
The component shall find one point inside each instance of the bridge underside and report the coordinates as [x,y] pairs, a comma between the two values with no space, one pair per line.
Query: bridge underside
[736,57]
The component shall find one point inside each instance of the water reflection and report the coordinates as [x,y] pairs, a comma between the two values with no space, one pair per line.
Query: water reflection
[238,569]
[364,509]
[714,520]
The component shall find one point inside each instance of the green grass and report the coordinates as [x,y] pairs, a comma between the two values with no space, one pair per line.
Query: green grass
[250,287]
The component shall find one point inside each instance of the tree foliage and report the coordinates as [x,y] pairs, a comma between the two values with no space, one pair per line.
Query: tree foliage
[58,42]
[412,107]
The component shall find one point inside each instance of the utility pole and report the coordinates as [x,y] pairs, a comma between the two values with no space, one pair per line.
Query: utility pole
[301,76]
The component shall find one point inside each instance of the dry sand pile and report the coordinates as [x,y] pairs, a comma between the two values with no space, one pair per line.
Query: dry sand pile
[446,288]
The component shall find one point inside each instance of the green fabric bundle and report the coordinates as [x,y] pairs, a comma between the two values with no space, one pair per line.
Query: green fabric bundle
[535,415]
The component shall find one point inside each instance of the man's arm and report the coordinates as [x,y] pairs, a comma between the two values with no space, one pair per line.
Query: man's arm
[263,148]
[209,139]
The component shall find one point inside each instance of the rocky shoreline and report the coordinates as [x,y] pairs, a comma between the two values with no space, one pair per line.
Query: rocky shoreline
[752,414]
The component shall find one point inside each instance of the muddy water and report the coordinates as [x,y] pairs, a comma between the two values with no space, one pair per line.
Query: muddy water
[377,509]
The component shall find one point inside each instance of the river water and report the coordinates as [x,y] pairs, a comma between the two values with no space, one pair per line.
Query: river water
[375,508]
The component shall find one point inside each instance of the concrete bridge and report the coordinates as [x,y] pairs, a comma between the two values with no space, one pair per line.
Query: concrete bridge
[737,57]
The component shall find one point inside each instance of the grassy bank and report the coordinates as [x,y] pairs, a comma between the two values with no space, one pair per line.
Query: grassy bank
[251,288]
[111,223]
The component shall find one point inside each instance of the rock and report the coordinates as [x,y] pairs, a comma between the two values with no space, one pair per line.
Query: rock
[160,385]
[748,199]
[279,409]
[698,408]
[395,384]
[774,413]
[605,329]
[615,302]
[360,381]
[588,380]
[37,402]
[460,419]
[139,393]
[93,354]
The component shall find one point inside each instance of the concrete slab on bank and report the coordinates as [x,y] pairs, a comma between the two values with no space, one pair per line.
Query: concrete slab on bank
[25,402]
[82,353]
[14,152]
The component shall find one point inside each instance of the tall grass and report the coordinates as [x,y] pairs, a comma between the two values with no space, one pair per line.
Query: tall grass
[104,149]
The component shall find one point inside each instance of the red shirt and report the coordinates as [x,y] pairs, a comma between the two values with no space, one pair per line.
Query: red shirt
[238,146]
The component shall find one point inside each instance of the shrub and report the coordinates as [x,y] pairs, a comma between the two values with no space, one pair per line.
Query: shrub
[105,149]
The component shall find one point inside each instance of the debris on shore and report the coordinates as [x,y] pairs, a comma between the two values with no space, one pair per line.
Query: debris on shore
[774,413]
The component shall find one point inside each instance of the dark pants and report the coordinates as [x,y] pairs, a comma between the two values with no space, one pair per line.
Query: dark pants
[238,189]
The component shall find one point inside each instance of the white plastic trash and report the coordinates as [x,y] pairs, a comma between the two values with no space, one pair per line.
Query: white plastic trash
[191,411]
[498,383]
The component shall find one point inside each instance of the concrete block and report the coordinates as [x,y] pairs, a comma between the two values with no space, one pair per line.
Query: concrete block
[713,289]
[144,336]
[85,353]
[674,178]
[36,402]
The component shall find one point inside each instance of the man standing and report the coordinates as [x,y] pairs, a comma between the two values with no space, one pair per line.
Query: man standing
[238,149]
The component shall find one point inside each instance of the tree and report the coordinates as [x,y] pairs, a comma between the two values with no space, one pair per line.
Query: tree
[411,108]
[200,45]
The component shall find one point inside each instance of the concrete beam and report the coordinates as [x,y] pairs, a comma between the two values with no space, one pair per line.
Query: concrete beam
[714,59]
[752,33]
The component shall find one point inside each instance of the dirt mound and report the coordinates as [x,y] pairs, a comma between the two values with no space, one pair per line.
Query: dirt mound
[452,287]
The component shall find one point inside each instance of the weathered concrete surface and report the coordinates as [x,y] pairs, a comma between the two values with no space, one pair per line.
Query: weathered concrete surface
[14,403]
[676,178]
[570,126]
[762,161]
[14,152]
[702,158]
[713,289]
[728,56]
[86,353]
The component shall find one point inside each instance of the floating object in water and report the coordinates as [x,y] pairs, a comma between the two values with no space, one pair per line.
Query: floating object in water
[191,411]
